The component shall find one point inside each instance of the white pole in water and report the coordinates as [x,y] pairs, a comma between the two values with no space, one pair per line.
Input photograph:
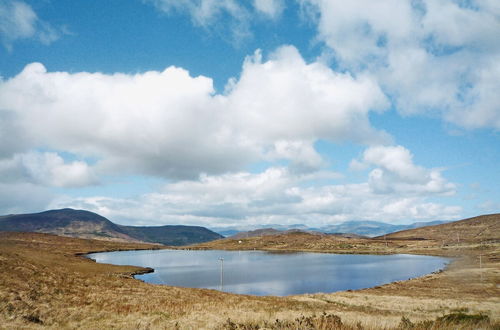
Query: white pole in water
[221,274]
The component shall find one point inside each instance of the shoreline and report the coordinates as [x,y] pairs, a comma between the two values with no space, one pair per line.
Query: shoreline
[147,270]
[45,278]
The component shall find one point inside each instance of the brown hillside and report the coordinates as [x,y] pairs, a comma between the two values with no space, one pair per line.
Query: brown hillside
[483,228]
[256,233]
[44,284]
[301,241]
[271,232]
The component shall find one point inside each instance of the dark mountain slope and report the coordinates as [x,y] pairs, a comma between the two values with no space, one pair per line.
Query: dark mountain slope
[65,222]
[85,224]
[171,234]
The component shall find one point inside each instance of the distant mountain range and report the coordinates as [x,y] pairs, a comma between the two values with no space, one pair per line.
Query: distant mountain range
[374,228]
[363,228]
[85,224]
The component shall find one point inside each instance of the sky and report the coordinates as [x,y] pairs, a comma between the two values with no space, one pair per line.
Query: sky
[226,113]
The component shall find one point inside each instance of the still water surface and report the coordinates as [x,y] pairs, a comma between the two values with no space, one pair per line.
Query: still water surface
[264,273]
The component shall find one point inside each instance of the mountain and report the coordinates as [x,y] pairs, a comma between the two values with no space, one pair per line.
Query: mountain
[172,234]
[362,228]
[65,222]
[233,230]
[85,224]
[482,228]
[373,228]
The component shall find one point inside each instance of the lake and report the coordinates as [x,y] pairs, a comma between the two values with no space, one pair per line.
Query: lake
[265,273]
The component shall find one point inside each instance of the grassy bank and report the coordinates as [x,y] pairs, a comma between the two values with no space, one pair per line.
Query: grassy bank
[44,283]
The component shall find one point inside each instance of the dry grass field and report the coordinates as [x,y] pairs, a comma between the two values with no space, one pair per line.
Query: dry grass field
[44,283]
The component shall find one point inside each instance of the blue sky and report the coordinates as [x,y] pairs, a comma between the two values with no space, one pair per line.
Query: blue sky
[250,113]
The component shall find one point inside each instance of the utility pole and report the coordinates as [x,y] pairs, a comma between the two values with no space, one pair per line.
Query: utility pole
[481,267]
[221,274]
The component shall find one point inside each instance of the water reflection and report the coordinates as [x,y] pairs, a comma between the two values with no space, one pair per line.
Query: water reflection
[262,273]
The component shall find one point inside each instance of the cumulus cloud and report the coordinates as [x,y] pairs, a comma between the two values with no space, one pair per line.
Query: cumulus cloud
[23,197]
[19,21]
[276,195]
[12,136]
[170,124]
[395,172]
[434,57]
[286,98]
[46,169]
[396,190]
[303,156]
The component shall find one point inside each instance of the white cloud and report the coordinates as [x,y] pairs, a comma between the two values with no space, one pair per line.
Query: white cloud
[227,17]
[12,136]
[46,169]
[278,195]
[19,21]
[286,98]
[271,8]
[435,57]
[203,12]
[207,13]
[397,160]
[303,156]
[172,125]
[23,197]
[489,206]
[395,172]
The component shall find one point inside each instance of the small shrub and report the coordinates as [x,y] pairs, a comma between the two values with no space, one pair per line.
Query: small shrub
[33,318]
[449,321]
[322,322]
[457,318]
[405,323]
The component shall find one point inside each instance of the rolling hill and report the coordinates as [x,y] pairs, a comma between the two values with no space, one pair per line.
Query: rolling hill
[482,228]
[171,234]
[85,224]
[270,231]
[423,240]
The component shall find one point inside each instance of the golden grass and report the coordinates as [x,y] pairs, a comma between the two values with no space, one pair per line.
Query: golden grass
[43,283]
[484,228]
